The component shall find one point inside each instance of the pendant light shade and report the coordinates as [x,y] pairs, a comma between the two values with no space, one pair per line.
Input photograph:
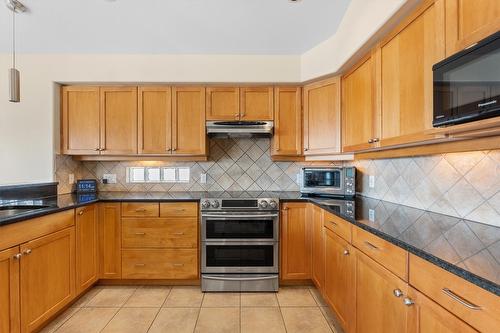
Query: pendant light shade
[14,76]
[14,86]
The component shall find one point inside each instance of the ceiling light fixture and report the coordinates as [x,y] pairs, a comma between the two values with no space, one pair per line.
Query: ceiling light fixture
[14,78]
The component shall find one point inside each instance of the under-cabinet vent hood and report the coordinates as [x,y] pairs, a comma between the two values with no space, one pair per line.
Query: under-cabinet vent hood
[240,128]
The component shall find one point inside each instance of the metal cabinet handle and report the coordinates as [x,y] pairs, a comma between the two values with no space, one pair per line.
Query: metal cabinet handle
[178,233]
[140,265]
[408,301]
[397,292]
[27,251]
[140,210]
[487,103]
[346,252]
[17,256]
[376,140]
[177,265]
[306,149]
[180,209]
[140,233]
[460,300]
[370,141]
[371,245]
[81,212]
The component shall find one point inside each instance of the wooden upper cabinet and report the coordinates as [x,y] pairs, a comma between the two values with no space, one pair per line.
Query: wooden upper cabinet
[318,247]
[188,121]
[87,269]
[154,120]
[322,117]
[109,231]
[223,103]
[287,139]
[118,120]
[358,106]
[80,120]
[256,103]
[469,21]
[295,242]
[9,290]
[405,60]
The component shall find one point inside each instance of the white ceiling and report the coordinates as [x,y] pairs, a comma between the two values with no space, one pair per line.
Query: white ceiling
[172,26]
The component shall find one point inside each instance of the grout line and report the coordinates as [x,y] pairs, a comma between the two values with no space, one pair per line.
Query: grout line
[327,321]
[64,322]
[199,312]
[152,321]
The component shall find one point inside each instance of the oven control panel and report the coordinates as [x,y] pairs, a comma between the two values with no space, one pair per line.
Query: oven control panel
[240,204]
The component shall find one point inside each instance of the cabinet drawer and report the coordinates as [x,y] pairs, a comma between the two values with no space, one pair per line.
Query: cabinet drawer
[178,209]
[388,255]
[474,305]
[160,264]
[136,209]
[339,226]
[159,233]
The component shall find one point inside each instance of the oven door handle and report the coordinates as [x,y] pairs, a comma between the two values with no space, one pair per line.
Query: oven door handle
[239,216]
[239,279]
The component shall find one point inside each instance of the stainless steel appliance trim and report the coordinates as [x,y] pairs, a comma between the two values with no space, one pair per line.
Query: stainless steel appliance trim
[238,216]
[266,128]
[209,277]
[240,282]
[316,190]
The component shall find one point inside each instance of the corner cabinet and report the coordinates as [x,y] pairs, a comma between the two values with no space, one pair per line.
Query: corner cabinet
[86,224]
[322,117]
[287,139]
[9,290]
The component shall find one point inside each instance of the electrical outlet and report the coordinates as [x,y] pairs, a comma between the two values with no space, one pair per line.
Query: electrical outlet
[371,215]
[109,177]
[71,178]
[371,181]
[203,178]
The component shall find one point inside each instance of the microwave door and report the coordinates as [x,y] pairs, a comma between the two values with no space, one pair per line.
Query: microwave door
[323,179]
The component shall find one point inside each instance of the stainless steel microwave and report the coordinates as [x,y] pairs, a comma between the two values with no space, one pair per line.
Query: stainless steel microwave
[331,181]
[467,84]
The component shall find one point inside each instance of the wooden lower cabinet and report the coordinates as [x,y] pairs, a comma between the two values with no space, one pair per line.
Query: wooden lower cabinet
[9,290]
[295,242]
[47,277]
[378,309]
[340,282]
[160,264]
[427,316]
[318,247]
[110,260]
[87,269]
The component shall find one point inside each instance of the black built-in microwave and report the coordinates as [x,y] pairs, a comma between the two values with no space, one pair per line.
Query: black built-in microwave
[467,84]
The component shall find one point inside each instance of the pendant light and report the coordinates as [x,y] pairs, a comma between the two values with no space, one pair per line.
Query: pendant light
[14,84]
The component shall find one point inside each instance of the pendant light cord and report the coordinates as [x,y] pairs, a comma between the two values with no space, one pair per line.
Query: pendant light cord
[14,37]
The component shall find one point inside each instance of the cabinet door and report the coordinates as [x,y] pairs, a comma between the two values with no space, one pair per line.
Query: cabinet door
[340,279]
[47,277]
[358,106]
[322,117]
[86,247]
[188,121]
[426,316]
[377,307]
[110,257]
[295,242]
[223,103]
[467,22]
[318,247]
[256,103]
[406,58]
[9,290]
[80,120]
[287,139]
[154,120]
[119,120]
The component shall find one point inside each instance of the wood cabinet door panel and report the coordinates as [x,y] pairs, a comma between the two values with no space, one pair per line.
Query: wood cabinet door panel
[9,291]
[118,120]
[188,121]
[318,247]
[155,120]
[256,103]
[223,103]
[80,120]
[47,277]
[110,264]
[87,269]
[287,139]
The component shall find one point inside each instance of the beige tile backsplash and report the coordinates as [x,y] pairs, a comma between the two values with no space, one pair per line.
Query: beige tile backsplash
[465,185]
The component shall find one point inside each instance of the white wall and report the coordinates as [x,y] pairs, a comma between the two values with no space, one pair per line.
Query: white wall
[29,130]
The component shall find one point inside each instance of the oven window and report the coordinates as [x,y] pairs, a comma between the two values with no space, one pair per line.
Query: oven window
[322,178]
[240,255]
[239,228]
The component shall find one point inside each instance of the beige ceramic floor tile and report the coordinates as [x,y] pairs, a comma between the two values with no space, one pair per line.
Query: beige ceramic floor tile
[305,319]
[88,320]
[331,319]
[59,320]
[131,320]
[218,320]
[217,300]
[259,299]
[258,320]
[148,296]
[317,297]
[111,297]
[184,297]
[295,297]
[83,301]
[175,320]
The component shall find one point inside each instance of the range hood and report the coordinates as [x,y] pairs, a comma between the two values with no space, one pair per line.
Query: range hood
[240,128]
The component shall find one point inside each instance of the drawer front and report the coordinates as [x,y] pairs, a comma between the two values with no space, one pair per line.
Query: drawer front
[178,209]
[474,305]
[159,233]
[388,255]
[137,209]
[339,226]
[160,264]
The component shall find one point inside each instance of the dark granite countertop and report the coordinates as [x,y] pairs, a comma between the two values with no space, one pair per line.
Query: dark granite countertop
[468,249]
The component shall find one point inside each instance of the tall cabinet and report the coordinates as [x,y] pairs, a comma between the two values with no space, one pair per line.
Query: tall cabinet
[86,226]
[287,139]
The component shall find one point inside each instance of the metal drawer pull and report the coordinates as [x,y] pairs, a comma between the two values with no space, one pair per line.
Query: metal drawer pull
[239,279]
[408,301]
[140,210]
[80,212]
[178,233]
[180,209]
[371,245]
[140,265]
[140,233]
[17,256]
[346,252]
[397,292]
[177,265]
[27,251]
[487,103]
[460,300]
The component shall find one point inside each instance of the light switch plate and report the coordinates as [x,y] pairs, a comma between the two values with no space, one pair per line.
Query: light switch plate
[371,181]
[203,178]
[110,177]
[71,178]
[371,215]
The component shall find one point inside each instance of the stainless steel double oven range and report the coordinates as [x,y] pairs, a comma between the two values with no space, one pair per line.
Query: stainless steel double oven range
[239,244]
